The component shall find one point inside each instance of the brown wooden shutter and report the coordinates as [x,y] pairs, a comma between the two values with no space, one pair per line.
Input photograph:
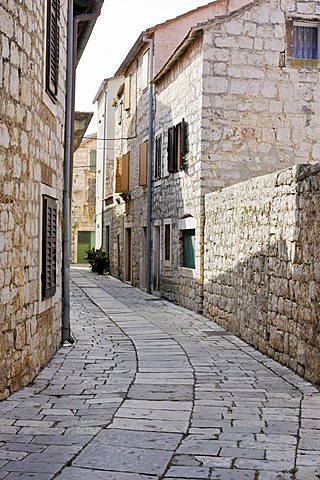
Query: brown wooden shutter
[171,149]
[178,155]
[52,51]
[184,147]
[49,247]
[119,175]
[127,93]
[143,164]
[158,157]
[167,242]
[125,172]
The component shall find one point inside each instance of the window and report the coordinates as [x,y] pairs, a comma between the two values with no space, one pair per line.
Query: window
[52,47]
[167,242]
[93,159]
[177,147]
[127,93]
[143,164]
[188,245]
[145,70]
[122,173]
[158,157]
[49,247]
[305,41]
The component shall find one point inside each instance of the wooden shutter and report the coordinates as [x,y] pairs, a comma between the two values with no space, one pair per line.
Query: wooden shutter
[167,242]
[171,149]
[158,157]
[143,164]
[183,142]
[127,93]
[49,247]
[52,47]
[119,175]
[125,172]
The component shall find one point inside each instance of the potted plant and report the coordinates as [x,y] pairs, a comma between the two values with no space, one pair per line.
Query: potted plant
[102,261]
[91,257]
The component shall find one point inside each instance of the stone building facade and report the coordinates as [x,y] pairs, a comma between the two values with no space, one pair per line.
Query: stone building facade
[262,265]
[247,100]
[125,215]
[33,72]
[83,199]
[31,166]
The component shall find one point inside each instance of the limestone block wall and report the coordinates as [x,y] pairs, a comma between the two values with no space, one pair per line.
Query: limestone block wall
[31,163]
[262,265]
[260,108]
[83,193]
[177,196]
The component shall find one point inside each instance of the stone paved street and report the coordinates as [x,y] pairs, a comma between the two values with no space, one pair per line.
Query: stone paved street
[152,391]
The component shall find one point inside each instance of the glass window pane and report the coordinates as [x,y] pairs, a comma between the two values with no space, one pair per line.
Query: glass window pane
[189,255]
[305,42]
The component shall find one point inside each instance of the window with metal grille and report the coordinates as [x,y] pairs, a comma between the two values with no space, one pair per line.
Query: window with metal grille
[49,247]
[177,147]
[52,47]
[158,157]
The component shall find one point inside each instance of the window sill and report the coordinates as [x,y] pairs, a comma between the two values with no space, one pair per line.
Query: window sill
[187,272]
[157,183]
[303,63]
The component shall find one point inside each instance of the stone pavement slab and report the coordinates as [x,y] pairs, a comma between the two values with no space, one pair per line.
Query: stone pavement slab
[152,391]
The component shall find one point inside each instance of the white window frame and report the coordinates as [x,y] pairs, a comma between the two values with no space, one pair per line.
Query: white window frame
[145,70]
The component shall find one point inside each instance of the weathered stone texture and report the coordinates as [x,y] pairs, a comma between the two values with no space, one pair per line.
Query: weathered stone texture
[259,117]
[83,192]
[261,278]
[31,153]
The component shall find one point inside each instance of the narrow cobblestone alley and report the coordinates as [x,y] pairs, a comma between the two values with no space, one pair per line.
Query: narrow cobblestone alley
[152,391]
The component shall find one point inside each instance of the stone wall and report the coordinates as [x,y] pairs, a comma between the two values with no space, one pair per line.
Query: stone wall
[31,163]
[83,193]
[262,265]
[261,107]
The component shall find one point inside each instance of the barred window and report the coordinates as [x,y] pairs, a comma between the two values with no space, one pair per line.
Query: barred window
[158,157]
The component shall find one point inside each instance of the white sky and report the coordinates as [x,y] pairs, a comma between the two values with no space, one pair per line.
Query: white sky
[115,32]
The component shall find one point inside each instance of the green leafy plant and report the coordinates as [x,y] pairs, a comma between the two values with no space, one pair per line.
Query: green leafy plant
[98,260]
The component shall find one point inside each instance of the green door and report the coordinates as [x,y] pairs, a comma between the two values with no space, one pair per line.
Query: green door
[85,242]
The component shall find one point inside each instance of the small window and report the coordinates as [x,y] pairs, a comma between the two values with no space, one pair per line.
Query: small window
[188,245]
[158,158]
[143,164]
[52,47]
[167,242]
[177,147]
[49,247]
[145,70]
[93,159]
[305,41]
[127,93]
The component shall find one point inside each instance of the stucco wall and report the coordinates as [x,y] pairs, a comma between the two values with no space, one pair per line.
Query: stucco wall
[262,268]
[31,163]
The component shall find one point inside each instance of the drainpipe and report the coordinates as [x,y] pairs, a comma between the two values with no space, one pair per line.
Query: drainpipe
[68,152]
[150,153]
[72,34]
